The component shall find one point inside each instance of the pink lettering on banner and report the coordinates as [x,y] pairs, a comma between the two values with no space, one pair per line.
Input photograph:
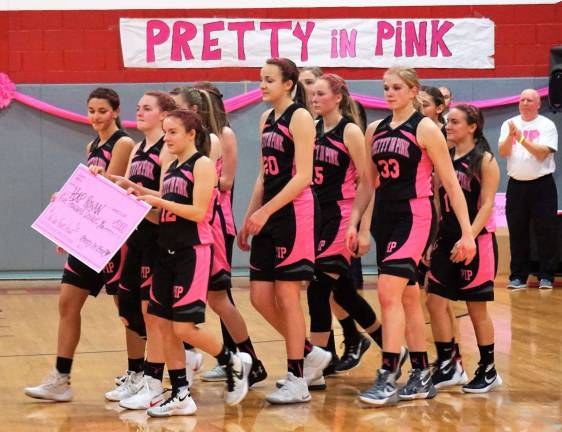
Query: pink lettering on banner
[334,50]
[398,40]
[415,42]
[348,43]
[157,32]
[241,27]
[437,42]
[183,33]
[385,31]
[209,42]
[274,38]
[304,37]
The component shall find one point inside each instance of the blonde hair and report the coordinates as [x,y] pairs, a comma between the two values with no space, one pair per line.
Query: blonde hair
[410,77]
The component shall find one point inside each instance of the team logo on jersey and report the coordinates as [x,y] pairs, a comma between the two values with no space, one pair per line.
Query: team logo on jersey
[281,252]
[178,291]
[390,246]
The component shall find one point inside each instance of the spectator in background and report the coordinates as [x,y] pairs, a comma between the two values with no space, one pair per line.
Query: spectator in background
[529,141]
[448,97]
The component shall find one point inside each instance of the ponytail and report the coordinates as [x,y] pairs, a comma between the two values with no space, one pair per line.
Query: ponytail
[348,107]
[299,94]
[203,141]
[474,115]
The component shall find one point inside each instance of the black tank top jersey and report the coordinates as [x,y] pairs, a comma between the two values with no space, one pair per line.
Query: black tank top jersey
[100,155]
[176,232]
[278,152]
[146,165]
[334,172]
[471,186]
[404,167]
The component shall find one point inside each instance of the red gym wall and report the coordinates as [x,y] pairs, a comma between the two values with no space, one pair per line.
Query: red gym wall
[84,46]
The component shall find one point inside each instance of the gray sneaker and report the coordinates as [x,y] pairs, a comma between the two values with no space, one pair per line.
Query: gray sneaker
[515,284]
[545,284]
[383,391]
[419,386]
[218,373]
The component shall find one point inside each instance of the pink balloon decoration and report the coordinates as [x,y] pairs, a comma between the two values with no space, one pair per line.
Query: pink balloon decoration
[7,90]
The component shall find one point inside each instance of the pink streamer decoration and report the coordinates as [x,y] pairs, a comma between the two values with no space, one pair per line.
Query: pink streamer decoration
[8,93]
[373,102]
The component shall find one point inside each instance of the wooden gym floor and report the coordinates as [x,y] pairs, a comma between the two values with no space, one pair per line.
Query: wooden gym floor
[528,326]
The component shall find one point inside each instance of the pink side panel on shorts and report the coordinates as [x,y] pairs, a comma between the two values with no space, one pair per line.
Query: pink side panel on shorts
[226,207]
[199,285]
[117,275]
[220,261]
[68,268]
[487,264]
[338,246]
[204,229]
[146,284]
[417,240]
[304,237]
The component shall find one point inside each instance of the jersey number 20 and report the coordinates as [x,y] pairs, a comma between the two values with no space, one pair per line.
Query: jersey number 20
[270,165]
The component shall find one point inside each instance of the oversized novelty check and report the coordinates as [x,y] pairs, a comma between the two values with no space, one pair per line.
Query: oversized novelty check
[91,218]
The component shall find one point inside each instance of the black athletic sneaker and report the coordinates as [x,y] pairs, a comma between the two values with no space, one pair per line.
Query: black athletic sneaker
[331,368]
[257,373]
[448,373]
[353,353]
[485,379]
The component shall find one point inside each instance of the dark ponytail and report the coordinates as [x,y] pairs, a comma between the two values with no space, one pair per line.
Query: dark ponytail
[290,72]
[475,116]
[438,99]
[193,121]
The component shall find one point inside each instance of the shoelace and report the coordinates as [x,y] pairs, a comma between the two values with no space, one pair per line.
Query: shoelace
[169,400]
[352,347]
[415,377]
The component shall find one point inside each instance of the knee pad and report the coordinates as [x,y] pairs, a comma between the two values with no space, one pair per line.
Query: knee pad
[130,310]
[318,295]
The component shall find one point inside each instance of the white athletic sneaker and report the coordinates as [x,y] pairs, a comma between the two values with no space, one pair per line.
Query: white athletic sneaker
[120,380]
[237,373]
[313,385]
[179,404]
[193,364]
[315,363]
[55,387]
[150,394]
[294,390]
[218,373]
[130,387]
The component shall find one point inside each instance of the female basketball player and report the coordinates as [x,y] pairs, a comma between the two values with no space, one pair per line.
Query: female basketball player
[479,177]
[143,175]
[280,217]
[179,290]
[199,100]
[339,164]
[109,152]
[405,147]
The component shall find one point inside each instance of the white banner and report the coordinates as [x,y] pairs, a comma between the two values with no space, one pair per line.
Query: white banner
[246,42]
